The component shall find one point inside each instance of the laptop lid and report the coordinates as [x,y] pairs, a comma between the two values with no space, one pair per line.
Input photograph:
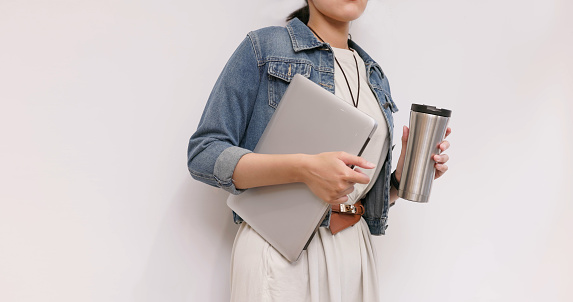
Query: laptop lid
[309,120]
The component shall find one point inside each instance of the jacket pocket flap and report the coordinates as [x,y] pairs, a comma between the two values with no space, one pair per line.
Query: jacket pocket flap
[287,70]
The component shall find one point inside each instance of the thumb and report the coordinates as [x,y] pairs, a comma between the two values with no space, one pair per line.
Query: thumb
[400,165]
[352,160]
[405,134]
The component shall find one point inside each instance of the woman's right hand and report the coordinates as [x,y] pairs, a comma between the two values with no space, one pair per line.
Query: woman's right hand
[329,176]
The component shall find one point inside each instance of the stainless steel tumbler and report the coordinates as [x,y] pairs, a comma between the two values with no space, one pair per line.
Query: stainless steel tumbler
[428,126]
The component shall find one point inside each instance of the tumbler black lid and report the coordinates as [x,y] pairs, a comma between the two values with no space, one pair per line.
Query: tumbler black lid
[431,110]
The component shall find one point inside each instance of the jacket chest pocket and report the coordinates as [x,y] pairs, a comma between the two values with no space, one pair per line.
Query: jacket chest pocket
[280,74]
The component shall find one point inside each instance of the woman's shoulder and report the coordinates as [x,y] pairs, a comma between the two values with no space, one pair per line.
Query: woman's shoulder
[270,32]
[271,39]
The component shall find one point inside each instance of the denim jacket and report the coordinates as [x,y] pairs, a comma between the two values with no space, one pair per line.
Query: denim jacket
[247,93]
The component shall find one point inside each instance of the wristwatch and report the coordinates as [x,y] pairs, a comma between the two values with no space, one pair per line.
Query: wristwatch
[393,181]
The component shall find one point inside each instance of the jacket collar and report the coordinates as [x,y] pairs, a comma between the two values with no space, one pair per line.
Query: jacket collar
[301,36]
[302,39]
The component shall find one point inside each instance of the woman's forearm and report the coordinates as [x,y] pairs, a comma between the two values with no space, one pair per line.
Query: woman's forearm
[257,170]
[328,175]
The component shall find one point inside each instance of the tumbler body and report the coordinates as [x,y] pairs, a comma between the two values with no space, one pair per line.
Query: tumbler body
[428,126]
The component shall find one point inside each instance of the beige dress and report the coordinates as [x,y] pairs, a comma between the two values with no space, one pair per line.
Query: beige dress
[339,268]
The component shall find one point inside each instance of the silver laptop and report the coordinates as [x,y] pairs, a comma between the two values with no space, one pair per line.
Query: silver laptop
[309,120]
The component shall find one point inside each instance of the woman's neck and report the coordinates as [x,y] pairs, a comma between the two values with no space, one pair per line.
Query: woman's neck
[333,32]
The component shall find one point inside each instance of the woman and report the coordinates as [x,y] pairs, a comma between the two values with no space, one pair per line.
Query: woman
[338,265]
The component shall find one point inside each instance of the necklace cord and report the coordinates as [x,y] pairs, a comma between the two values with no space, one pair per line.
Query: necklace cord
[355,103]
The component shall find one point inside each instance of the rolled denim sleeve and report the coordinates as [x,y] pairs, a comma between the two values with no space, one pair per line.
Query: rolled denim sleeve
[225,166]
[214,149]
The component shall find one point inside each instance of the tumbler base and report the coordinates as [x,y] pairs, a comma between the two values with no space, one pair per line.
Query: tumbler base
[413,197]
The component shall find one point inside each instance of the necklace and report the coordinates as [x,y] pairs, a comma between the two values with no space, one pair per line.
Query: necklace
[355,103]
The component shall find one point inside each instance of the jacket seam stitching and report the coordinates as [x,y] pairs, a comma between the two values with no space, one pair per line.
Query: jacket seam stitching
[258,56]
[201,175]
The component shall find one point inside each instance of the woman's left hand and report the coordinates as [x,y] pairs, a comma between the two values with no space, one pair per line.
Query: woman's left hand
[440,159]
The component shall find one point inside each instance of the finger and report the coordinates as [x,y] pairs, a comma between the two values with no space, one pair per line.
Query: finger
[448,132]
[339,200]
[347,191]
[358,174]
[440,169]
[441,159]
[444,145]
[359,171]
[352,160]
[405,134]
[357,177]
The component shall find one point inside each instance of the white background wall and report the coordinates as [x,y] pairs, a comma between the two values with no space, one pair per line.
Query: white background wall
[99,98]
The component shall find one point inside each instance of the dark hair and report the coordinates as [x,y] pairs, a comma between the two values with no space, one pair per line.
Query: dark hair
[303,14]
